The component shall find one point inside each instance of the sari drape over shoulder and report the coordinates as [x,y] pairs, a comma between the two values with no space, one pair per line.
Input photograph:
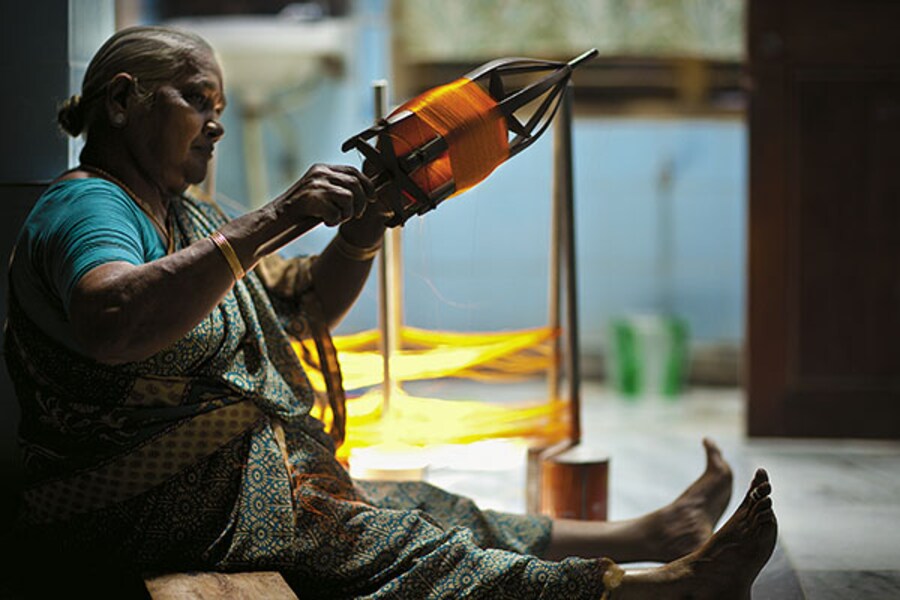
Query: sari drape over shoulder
[206,456]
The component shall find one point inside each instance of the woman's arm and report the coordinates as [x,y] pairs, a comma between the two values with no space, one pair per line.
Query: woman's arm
[339,273]
[122,312]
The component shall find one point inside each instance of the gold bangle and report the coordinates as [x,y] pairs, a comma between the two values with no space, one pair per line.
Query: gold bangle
[221,242]
[354,252]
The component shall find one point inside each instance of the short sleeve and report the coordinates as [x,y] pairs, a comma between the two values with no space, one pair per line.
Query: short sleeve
[94,225]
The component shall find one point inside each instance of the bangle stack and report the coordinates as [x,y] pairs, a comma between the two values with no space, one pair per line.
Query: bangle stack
[354,252]
[221,242]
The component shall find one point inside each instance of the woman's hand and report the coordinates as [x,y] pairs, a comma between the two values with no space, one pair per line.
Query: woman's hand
[332,193]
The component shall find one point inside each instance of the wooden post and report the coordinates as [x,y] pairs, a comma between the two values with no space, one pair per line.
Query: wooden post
[551,482]
[554,320]
[573,477]
[563,190]
[386,275]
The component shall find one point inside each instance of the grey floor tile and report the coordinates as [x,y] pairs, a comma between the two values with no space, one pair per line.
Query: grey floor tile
[778,579]
[841,585]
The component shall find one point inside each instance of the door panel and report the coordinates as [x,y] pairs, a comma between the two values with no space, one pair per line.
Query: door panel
[823,329]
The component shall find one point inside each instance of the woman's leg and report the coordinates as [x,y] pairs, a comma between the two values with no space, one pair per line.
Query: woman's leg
[663,535]
[724,567]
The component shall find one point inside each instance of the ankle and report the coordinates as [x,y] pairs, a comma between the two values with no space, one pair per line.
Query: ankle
[613,575]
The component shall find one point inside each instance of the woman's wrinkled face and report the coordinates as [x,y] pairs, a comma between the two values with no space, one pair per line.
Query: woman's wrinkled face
[173,142]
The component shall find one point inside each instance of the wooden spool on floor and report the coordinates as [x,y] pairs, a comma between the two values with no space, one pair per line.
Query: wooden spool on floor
[569,482]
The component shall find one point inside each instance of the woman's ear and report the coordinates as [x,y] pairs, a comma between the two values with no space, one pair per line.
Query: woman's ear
[119,95]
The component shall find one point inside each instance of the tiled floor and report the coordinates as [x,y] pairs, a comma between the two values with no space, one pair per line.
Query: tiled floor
[838,502]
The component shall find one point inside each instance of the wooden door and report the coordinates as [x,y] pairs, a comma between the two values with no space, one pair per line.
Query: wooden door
[823,325]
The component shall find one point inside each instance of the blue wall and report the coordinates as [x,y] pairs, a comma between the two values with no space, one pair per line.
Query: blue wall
[480,261]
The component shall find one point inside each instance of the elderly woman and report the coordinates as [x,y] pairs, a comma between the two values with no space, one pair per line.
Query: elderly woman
[166,418]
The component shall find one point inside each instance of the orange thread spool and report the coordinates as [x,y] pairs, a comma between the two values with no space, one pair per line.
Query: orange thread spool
[469,120]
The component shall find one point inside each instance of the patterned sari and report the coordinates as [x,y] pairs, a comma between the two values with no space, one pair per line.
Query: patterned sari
[205,456]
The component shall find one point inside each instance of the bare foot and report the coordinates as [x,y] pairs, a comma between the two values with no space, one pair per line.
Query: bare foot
[685,524]
[725,566]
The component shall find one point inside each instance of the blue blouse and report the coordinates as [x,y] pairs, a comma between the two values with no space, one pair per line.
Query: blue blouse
[76,226]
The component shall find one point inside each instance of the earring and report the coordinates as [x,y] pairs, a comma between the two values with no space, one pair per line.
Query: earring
[213,128]
[118,120]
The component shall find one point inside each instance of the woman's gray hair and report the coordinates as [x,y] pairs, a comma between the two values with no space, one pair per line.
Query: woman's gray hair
[151,55]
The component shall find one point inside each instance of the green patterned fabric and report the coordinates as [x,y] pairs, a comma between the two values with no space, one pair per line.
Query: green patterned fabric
[205,456]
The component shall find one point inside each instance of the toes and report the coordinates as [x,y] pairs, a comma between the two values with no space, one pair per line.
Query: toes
[759,488]
[715,462]
[759,505]
[757,495]
[760,477]
[762,505]
[765,518]
[713,452]
[761,491]
[763,513]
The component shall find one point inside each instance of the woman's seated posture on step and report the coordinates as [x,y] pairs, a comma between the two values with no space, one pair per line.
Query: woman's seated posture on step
[166,418]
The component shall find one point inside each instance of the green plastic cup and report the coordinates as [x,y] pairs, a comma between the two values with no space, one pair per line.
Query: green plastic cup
[647,355]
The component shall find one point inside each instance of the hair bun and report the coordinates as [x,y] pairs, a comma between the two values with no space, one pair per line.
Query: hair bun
[70,116]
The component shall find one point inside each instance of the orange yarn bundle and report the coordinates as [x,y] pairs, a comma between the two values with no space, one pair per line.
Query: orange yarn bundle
[471,123]
[448,139]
